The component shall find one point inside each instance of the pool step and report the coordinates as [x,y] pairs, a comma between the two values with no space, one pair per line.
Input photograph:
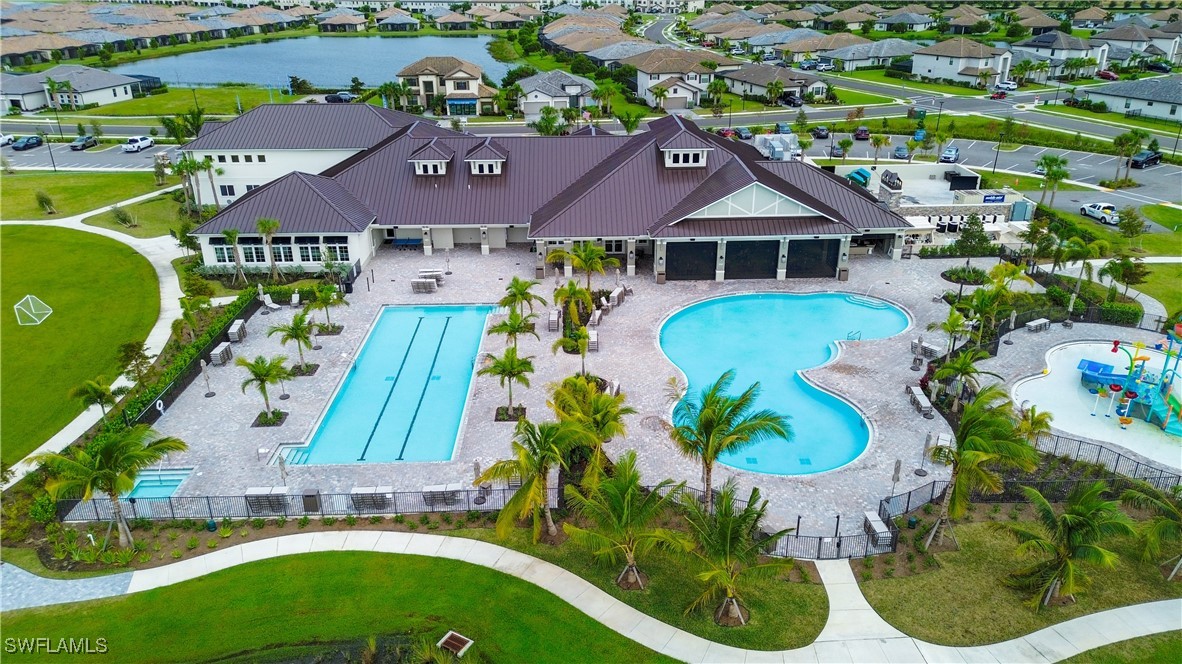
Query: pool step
[868,302]
[295,456]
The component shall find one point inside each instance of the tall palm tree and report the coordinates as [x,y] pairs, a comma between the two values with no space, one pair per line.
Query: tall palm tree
[725,544]
[660,94]
[1125,270]
[607,91]
[985,436]
[845,144]
[326,297]
[954,326]
[984,304]
[108,465]
[716,423]
[1003,275]
[514,326]
[963,370]
[575,341]
[1064,541]
[1053,177]
[715,89]
[509,368]
[621,513]
[1165,526]
[1031,424]
[98,392]
[586,256]
[186,168]
[536,449]
[630,120]
[298,330]
[878,142]
[193,310]
[519,294]
[775,90]
[210,170]
[1049,162]
[264,372]
[579,400]
[1076,250]
[572,295]
[231,236]
[268,228]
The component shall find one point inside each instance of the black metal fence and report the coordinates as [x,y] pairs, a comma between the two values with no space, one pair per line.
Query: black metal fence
[1118,463]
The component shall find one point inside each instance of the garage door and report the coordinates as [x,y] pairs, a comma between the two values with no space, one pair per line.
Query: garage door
[752,260]
[688,261]
[533,107]
[813,258]
[676,103]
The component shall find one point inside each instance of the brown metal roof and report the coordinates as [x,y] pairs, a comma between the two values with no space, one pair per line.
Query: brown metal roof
[753,227]
[432,151]
[305,127]
[487,150]
[301,202]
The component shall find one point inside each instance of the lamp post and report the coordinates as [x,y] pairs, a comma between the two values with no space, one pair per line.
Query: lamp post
[59,122]
[939,114]
[997,153]
[49,147]
[1058,84]
[731,115]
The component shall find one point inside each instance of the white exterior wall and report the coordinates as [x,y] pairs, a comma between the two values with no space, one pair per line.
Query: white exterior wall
[942,66]
[30,101]
[362,247]
[101,97]
[645,80]
[277,164]
[1100,53]
[1154,109]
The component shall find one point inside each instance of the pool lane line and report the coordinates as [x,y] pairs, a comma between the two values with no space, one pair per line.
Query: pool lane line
[393,384]
[426,384]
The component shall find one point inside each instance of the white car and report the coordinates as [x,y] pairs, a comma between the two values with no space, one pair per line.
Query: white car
[1008,86]
[823,66]
[1104,213]
[6,139]
[138,143]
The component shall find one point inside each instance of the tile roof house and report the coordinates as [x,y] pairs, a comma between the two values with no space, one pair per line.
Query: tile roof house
[798,17]
[909,21]
[343,23]
[1060,47]
[458,81]
[555,88]
[398,23]
[453,21]
[711,208]
[1142,39]
[1089,17]
[798,49]
[753,80]
[1158,97]
[1039,22]
[963,60]
[853,19]
[680,73]
[871,54]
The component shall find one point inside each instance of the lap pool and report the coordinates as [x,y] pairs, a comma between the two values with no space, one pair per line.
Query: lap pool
[770,338]
[404,397]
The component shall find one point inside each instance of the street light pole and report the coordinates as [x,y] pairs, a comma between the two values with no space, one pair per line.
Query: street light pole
[997,153]
[939,115]
[59,122]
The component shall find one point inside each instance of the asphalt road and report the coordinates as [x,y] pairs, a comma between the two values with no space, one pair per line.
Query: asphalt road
[102,157]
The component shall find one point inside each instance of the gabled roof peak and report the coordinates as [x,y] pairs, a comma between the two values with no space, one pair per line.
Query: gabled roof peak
[434,150]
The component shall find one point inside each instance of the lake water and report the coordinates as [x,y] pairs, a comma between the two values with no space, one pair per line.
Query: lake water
[324,61]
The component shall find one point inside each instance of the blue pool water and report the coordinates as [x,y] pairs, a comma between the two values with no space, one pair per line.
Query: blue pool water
[769,338]
[404,398]
[158,483]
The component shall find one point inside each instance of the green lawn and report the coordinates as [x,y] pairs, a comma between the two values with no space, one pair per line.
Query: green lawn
[72,192]
[26,559]
[1166,647]
[325,597]
[1170,217]
[1165,286]
[965,602]
[1023,182]
[1149,244]
[102,293]
[879,76]
[215,101]
[153,217]
[1115,118]
[859,98]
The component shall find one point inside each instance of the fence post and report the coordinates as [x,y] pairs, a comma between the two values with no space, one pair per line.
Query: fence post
[209,506]
[171,509]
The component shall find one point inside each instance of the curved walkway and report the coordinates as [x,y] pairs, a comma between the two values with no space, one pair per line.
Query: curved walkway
[852,633]
[160,252]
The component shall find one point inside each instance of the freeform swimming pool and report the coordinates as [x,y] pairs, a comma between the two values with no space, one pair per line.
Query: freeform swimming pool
[769,338]
[404,397]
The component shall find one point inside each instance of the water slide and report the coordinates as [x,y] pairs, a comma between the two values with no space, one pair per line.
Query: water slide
[1097,372]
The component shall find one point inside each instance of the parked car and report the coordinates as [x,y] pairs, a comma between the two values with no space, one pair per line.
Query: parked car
[1159,67]
[6,139]
[737,50]
[725,132]
[824,66]
[999,94]
[794,100]
[333,99]
[1071,101]
[1104,213]
[744,133]
[345,95]
[808,64]
[83,142]
[27,143]
[900,152]
[1145,159]
[836,152]
[709,43]
[783,128]
[138,143]
[1039,169]
[768,57]
[950,155]
[820,132]
[862,134]
[1008,86]
[1107,75]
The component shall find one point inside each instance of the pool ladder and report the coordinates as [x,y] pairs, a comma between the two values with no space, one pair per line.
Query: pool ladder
[853,335]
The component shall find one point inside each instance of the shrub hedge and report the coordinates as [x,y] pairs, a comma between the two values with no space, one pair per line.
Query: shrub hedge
[1121,314]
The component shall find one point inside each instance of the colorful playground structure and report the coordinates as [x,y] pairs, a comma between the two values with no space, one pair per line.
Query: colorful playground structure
[1134,392]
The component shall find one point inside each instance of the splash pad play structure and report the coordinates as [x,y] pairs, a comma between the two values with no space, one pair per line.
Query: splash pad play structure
[1137,393]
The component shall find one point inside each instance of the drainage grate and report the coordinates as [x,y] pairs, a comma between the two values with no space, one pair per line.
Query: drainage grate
[753,461]
[435,377]
[805,461]
[389,378]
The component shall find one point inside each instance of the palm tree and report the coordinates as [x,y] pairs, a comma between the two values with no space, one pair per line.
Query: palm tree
[231,236]
[878,142]
[1165,526]
[725,541]
[630,120]
[1003,275]
[716,88]
[268,228]
[519,294]
[1031,424]
[954,326]
[1137,138]
[606,91]
[621,512]
[912,147]
[775,90]
[99,393]
[574,342]
[845,144]
[716,424]
[1049,163]
[579,400]
[193,309]
[327,296]
[536,449]
[1053,177]
[1076,250]
[263,372]
[942,138]
[1020,71]
[298,330]
[570,116]
[586,256]
[659,94]
[509,368]
[211,170]
[572,295]
[985,436]
[108,465]
[963,370]
[1066,540]
[984,303]
[514,326]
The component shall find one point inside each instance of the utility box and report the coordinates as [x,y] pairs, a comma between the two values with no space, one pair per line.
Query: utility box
[311,501]
[843,274]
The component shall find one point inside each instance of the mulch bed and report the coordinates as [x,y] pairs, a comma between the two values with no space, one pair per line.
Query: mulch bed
[503,414]
[303,370]
[330,330]
[260,421]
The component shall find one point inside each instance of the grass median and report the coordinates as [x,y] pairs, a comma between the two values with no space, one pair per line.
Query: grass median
[223,100]
[1164,285]
[72,192]
[154,217]
[1165,647]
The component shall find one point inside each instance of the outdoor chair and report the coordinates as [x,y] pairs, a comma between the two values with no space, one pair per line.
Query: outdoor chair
[596,316]
[604,306]
[269,302]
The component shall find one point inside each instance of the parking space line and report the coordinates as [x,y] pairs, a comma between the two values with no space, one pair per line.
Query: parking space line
[1041,151]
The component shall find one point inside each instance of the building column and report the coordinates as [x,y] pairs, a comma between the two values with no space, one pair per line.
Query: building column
[540,261]
[567,269]
[631,245]
[659,261]
[484,240]
[426,241]
[782,264]
[897,247]
[843,261]
[720,263]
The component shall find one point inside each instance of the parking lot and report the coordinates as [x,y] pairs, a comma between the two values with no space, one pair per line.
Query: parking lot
[104,157]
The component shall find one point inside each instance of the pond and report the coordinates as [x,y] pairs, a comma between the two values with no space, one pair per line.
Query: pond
[324,61]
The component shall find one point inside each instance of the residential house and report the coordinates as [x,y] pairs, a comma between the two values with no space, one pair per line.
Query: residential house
[526,12]
[808,47]
[680,73]
[768,9]
[22,92]
[1089,17]
[609,56]
[1061,47]
[724,8]
[753,80]
[458,81]
[767,42]
[871,54]
[795,17]
[910,22]
[1169,15]
[962,60]
[503,21]
[453,21]
[28,49]
[909,9]
[556,88]
[712,209]
[343,23]
[963,10]
[964,24]
[867,8]
[480,11]
[1149,97]
[1039,23]
[853,19]
[819,9]
[72,86]
[399,23]
[1150,43]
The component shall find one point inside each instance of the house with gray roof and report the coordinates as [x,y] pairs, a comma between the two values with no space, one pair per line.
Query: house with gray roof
[1149,97]
[1060,47]
[557,88]
[398,23]
[819,9]
[856,56]
[606,56]
[910,22]
[1149,42]
[23,92]
[74,86]
[711,208]
[753,80]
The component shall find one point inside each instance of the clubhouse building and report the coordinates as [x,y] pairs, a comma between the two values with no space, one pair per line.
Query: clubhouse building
[675,200]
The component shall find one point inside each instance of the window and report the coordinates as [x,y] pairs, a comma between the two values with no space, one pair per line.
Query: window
[652,77]
[460,85]
[251,187]
[677,157]
[429,87]
[125,90]
[435,169]
[248,158]
[412,82]
[254,253]
[1173,109]
[309,249]
[262,159]
[613,246]
[226,189]
[282,253]
[221,158]
[234,158]
[695,157]
[336,247]
[1128,104]
[480,168]
[114,92]
[224,254]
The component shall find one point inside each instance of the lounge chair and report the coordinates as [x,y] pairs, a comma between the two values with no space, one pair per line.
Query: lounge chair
[269,302]
[604,306]
[593,340]
[423,285]
[555,322]
[596,316]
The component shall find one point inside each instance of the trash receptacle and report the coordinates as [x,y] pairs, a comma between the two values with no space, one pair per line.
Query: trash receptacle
[311,500]
[843,274]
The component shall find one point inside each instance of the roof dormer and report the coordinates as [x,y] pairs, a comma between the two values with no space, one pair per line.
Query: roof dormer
[432,158]
[487,158]
[685,150]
